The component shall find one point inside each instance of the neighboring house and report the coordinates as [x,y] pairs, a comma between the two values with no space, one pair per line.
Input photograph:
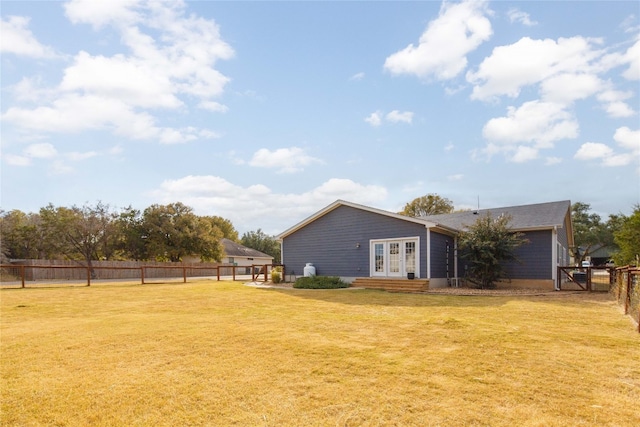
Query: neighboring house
[351,241]
[239,255]
[236,254]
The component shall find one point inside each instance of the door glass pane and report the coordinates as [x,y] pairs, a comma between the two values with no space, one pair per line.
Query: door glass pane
[394,257]
[379,257]
[410,256]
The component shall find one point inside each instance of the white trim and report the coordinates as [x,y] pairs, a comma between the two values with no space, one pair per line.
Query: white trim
[428,253]
[339,203]
[554,254]
[385,244]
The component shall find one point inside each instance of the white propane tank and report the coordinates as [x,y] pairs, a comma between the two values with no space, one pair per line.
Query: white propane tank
[309,270]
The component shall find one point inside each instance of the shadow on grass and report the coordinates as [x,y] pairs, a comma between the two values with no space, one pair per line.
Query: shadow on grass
[383,298]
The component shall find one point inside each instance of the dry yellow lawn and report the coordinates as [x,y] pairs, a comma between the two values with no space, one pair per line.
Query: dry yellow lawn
[220,353]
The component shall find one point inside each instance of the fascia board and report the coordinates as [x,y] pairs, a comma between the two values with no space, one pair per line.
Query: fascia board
[339,203]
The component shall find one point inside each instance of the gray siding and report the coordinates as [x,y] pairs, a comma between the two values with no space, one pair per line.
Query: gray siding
[330,242]
[440,268]
[534,258]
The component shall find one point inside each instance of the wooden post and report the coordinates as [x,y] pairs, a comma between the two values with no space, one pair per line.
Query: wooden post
[218,272]
[88,276]
[142,274]
[233,272]
[22,274]
[627,299]
[184,273]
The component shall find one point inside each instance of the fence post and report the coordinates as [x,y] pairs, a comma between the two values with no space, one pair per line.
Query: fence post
[142,273]
[184,273]
[218,272]
[88,276]
[22,273]
[627,299]
[233,272]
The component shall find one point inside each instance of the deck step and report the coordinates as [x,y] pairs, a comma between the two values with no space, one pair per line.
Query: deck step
[392,285]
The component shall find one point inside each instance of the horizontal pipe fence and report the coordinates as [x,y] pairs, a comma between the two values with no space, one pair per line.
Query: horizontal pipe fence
[39,271]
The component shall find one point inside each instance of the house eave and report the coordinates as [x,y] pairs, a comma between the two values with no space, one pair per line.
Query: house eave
[280,237]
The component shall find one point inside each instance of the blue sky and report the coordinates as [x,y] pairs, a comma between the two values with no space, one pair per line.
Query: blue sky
[265,112]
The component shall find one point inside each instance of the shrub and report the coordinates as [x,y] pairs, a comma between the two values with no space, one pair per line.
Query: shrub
[320,282]
[276,275]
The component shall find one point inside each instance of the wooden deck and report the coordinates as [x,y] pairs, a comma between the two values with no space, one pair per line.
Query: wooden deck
[392,285]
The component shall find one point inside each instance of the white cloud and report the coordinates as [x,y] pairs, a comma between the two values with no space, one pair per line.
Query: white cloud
[529,62]
[632,57]
[374,119]
[135,82]
[614,104]
[357,77]
[396,116]
[172,61]
[566,88]
[213,106]
[455,177]
[285,160]
[593,150]
[537,123]
[516,15]
[99,14]
[18,39]
[524,154]
[15,160]
[627,139]
[441,52]
[30,89]
[41,151]
[213,195]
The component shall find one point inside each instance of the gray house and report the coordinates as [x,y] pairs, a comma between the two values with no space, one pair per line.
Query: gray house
[354,241]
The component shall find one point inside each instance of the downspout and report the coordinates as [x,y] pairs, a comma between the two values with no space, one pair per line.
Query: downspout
[428,253]
[455,258]
[554,257]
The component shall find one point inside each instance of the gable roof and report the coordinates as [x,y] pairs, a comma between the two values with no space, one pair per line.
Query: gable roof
[339,203]
[541,216]
[234,249]
[526,217]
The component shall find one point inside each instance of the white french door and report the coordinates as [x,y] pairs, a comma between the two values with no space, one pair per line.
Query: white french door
[395,258]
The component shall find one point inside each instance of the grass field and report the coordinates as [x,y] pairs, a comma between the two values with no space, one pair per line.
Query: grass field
[220,353]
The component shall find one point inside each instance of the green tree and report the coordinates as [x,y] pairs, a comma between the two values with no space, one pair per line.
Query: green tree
[131,236]
[227,228]
[21,236]
[173,231]
[79,233]
[589,232]
[262,242]
[627,237]
[487,244]
[431,204]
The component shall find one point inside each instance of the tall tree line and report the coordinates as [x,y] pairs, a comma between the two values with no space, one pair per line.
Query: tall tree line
[99,232]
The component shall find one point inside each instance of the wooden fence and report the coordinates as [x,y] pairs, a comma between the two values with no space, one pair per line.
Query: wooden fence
[596,279]
[626,288]
[47,271]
